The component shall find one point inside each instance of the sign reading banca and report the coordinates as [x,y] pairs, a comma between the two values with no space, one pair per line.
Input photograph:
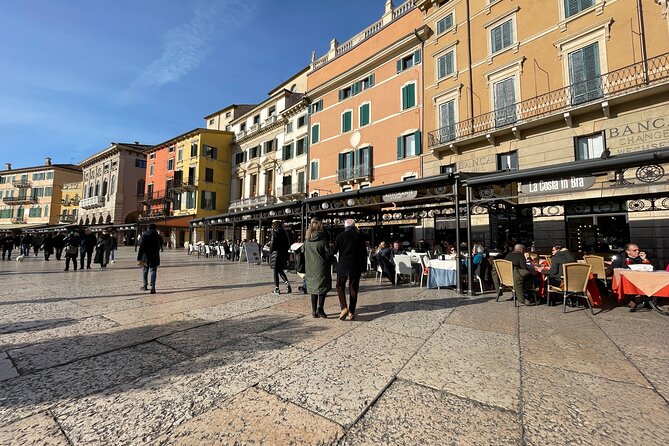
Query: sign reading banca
[560,185]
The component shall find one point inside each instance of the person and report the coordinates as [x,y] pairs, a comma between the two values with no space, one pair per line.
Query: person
[59,244]
[317,267]
[560,256]
[632,256]
[7,246]
[86,247]
[37,242]
[114,246]
[72,242]
[350,245]
[279,255]
[149,256]
[480,262]
[47,246]
[102,249]
[384,257]
[26,243]
[522,275]
[397,248]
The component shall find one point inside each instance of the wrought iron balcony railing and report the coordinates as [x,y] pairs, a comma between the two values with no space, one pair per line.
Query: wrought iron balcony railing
[616,83]
[357,172]
[18,219]
[21,183]
[23,199]
[67,218]
[155,196]
[92,202]
[262,200]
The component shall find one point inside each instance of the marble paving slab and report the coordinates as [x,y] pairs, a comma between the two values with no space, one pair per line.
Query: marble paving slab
[7,369]
[38,430]
[412,319]
[254,417]
[311,334]
[487,315]
[473,364]
[239,307]
[409,414]
[342,378]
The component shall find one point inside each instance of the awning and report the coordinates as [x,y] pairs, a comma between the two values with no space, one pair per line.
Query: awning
[21,226]
[273,211]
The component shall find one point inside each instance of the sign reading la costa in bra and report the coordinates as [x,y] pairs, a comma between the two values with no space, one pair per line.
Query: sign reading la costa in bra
[560,185]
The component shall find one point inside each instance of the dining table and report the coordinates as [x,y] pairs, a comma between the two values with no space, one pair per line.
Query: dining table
[650,284]
[441,273]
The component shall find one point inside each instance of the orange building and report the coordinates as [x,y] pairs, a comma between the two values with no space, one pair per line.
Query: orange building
[366,106]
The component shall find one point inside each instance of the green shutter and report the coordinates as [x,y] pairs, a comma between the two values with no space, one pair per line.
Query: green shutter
[341,161]
[314,134]
[400,148]
[341,95]
[418,142]
[404,98]
[416,57]
[371,80]
[399,65]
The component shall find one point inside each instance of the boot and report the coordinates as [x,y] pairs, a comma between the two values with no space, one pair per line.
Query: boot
[314,312]
[289,289]
[321,304]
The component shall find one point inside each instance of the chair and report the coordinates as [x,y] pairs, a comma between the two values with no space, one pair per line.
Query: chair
[576,276]
[598,267]
[403,267]
[478,279]
[379,273]
[423,262]
[504,270]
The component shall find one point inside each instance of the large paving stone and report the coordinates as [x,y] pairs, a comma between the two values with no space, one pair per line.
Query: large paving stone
[150,406]
[309,333]
[37,430]
[341,379]
[412,319]
[474,364]
[239,307]
[409,414]
[568,408]
[7,369]
[486,315]
[26,395]
[254,417]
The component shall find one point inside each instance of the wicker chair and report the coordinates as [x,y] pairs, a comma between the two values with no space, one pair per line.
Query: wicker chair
[504,270]
[598,267]
[576,276]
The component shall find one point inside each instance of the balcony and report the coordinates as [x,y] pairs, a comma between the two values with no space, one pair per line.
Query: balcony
[291,191]
[253,202]
[92,202]
[22,184]
[155,197]
[67,218]
[153,215]
[184,186]
[18,220]
[630,79]
[70,202]
[355,173]
[22,199]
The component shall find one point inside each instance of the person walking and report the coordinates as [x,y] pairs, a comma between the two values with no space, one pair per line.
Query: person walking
[88,242]
[102,249]
[114,246]
[47,246]
[59,244]
[350,245]
[149,256]
[7,246]
[26,243]
[317,267]
[279,255]
[72,242]
[37,242]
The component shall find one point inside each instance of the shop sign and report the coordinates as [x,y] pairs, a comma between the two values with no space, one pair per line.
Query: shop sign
[403,221]
[561,185]
[399,196]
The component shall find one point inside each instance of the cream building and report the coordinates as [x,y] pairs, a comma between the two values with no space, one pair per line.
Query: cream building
[71,196]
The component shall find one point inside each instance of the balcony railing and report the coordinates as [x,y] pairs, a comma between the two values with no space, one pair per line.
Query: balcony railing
[67,218]
[21,183]
[615,83]
[19,200]
[358,172]
[262,200]
[92,202]
[182,186]
[152,215]
[70,202]
[291,189]
[18,220]
[155,196]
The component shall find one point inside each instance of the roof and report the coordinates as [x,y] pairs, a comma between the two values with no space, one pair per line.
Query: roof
[188,134]
[71,167]
[141,148]
[294,76]
[242,107]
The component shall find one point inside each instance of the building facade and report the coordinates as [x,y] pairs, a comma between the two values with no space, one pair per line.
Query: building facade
[71,193]
[112,179]
[32,197]
[521,85]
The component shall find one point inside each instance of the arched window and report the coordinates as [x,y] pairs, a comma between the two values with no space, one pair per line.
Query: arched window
[113,185]
[104,188]
[97,188]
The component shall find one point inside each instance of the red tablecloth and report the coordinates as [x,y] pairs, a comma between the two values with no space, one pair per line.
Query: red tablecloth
[591,290]
[640,282]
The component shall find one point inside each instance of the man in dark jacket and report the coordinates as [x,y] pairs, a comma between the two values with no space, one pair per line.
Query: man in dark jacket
[632,256]
[72,243]
[88,242]
[561,255]
[26,243]
[278,255]
[350,245]
[7,246]
[522,275]
[59,244]
[149,256]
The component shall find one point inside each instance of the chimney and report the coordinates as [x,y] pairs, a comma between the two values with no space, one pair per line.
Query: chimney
[8,166]
[136,143]
[47,161]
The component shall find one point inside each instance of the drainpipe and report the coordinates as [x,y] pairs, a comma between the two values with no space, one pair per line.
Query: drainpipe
[642,36]
[470,263]
[471,76]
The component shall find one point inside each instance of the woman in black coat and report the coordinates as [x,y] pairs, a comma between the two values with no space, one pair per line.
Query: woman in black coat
[278,256]
[47,246]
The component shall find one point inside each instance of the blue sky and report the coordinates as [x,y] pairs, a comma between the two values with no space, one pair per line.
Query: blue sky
[78,74]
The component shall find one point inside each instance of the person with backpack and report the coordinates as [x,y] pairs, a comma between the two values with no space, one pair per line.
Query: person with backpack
[279,255]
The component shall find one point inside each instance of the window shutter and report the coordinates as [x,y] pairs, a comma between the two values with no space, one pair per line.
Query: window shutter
[341,95]
[348,116]
[400,148]
[341,161]
[314,134]
[496,39]
[399,65]
[417,139]
[371,80]
[507,34]
[416,57]
[449,63]
[404,97]
[591,68]
[411,95]
[577,76]
[320,104]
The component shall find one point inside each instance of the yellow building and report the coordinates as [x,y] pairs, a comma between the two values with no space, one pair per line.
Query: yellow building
[71,195]
[524,85]
[32,196]
[187,177]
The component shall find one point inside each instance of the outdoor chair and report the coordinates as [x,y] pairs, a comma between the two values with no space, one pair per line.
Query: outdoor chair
[477,278]
[504,270]
[424,271]
[379,273]
[575,280]
[403,267]
[598,267]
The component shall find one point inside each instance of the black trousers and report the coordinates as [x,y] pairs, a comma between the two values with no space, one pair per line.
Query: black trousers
[279,272]
[88,254]
[8,252]
[353,286]
[59,253]
[73,258]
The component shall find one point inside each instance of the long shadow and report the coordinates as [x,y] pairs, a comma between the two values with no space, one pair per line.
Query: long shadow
[14,327]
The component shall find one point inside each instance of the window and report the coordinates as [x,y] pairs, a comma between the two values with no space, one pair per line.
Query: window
[35,212]
[193,149]
[447,121]
[191,175]
[97,189]
[301,121]
[584,75]
[447,169]
[151,170]
[208,201]
[301,146]
[49,176]
[315,133]
[211,121]
[209,175]
[364,114]
[272,111]
[346,93]
[445,65]
[141,185]
[408,61]
[210,152]
[239,158]
[242,127]
[572,7]
[289,127]
[313,170]
[287,152]
[505,102]
[140,163]
[346,119]
[38,176]
[445,24]
[152,155]
[590,146]
[170,164]
[507,161]
[408,96]
[256,119]
[228,114]
[408,145]
[180,154]
[317,106]
[363,161]
[170,149]
[177,201]
[346,162]
[300,181]
[113,185]
[253,152]
[409,178]
[501,36]
[105,187]
[269,146]
[190,199]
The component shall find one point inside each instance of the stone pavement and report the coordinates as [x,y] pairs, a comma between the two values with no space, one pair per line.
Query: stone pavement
[214,358]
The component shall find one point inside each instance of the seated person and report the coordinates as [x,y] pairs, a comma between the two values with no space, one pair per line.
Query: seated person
[632,256]
[397,248]
[522,275]
[384,257]
[560,256]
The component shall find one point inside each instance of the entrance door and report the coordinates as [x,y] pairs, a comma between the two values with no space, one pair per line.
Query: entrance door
[598,233]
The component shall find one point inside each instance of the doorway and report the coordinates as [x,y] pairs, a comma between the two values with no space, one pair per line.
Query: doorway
[598,233]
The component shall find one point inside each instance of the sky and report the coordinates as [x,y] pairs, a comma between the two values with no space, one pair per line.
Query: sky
[76,75]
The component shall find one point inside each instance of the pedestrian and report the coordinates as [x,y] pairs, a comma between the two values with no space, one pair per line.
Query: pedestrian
[26,243]
[523,276]
[47,246]
[102,249]
[350,245]
[59,244]
[317,267]
[7,246]
[88,242]
[114,246]
[279,255]
[72,243]
[149,257]
[37,243]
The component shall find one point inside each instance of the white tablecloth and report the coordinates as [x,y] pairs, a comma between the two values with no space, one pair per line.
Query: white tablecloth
[441,273]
